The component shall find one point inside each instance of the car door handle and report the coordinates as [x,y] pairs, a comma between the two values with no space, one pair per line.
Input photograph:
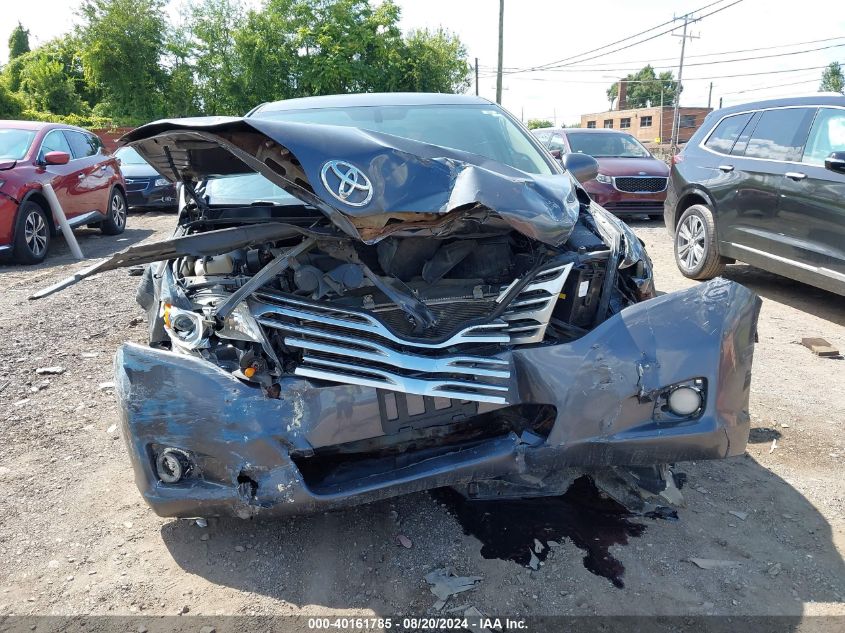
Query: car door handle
[795,175]
[726,168]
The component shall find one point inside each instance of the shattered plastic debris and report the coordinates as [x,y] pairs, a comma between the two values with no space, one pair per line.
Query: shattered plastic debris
[739,515]
[712,563]
[445,584]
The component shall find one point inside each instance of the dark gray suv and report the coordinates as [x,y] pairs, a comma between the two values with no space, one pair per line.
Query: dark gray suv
[763,183]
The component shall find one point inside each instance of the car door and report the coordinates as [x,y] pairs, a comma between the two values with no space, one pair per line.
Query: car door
[89,172]
[64,178]
[748,195]
[812,202]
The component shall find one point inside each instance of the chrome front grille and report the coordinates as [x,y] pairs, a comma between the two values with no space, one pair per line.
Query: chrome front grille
[136,184]
[529,313]
[354,347]
[640,184]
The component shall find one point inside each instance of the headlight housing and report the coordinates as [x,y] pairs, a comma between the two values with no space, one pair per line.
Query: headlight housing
[241,325]
[186,329]
[604,179]
[161,182]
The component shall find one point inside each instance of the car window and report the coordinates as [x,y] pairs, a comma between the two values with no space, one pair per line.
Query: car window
[80,144]
[724,136]
[543,137]
[780,134]
[483,130]
[245,189]
[14,144]
[128,156]
[616,144]
[557,142]
[54,142]
[827,135]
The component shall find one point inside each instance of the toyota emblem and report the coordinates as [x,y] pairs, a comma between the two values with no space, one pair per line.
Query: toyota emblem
[347,183]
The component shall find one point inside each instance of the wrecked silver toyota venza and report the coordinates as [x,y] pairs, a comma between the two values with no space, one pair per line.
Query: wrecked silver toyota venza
[371,295]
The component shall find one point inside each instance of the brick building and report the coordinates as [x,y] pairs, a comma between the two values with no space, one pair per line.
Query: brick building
[648,125]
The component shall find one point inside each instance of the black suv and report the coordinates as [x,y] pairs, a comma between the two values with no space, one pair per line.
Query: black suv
[763,183]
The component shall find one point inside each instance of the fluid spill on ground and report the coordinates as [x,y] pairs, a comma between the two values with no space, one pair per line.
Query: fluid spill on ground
[508,528]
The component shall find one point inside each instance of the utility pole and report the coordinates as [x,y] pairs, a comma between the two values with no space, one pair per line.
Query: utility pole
[501,51]
[709,94]
[687,18]
[476,77]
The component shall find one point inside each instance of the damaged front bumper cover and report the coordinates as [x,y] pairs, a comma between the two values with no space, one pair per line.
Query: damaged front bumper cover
[244,454]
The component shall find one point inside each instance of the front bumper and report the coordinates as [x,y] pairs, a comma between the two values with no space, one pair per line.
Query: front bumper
[153,197]
[602,387]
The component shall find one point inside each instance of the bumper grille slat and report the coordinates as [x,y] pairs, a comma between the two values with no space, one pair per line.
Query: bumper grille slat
[358,347]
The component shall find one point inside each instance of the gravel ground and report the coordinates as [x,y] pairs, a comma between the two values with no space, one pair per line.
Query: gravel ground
[76,538]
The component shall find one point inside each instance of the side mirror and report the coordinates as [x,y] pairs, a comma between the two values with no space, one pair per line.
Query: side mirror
[581,166]
[835,162]
[556,153]
[56,158]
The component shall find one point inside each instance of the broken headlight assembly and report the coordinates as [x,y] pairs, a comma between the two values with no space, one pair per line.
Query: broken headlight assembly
[186,329]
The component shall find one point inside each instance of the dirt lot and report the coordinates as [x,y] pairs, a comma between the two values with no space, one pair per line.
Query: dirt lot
[76,538]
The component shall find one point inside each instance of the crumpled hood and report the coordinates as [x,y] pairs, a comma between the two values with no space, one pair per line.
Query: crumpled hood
[387,180]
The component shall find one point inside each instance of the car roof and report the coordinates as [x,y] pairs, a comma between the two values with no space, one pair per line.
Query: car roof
[370,99]
[587,130]
[821,99]
[26,125]
[40,125]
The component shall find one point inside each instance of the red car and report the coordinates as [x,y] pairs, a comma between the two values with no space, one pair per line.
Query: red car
[630,180]
[87,182]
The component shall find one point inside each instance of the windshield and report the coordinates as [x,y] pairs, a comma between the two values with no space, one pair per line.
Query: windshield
[128,156]
[246,189]
[480,129]
[15,143]
[599,144]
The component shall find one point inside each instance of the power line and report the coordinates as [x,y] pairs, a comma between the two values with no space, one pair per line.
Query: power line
[624,39]
[658,68]
[663,59]
[769,72]
[555,65]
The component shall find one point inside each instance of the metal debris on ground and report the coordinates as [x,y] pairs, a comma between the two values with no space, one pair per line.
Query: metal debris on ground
[41,371]
[820,347]
[445,584]
[712,563]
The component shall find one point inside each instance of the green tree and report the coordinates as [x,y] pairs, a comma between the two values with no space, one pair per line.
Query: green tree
[122,46]
[434,62]
[46,86]
[534,124]
[10,105]
[213,25]
[645,87]
[832,79]
[18,42]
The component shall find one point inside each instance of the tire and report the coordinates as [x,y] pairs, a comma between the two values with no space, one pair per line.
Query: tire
[32,234]
[115,222]
[696,248]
